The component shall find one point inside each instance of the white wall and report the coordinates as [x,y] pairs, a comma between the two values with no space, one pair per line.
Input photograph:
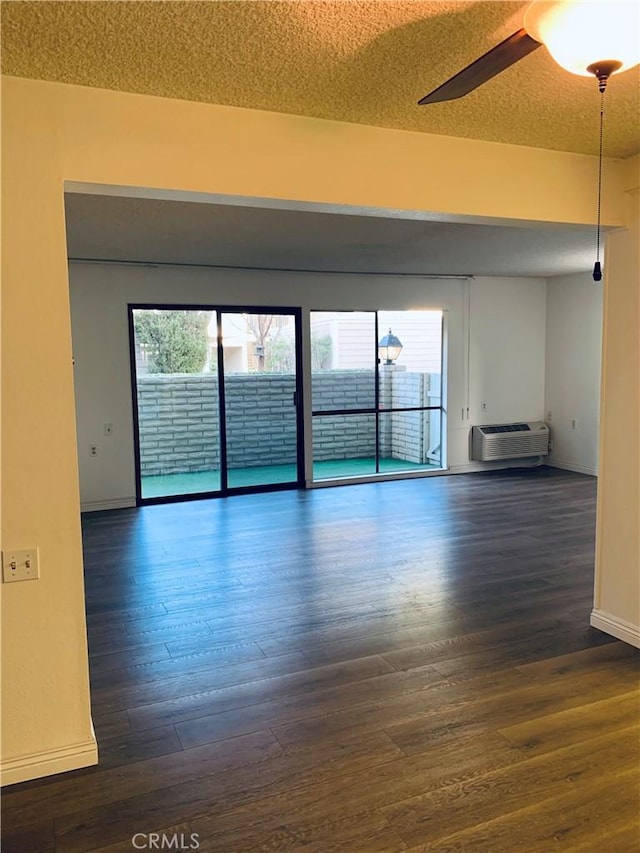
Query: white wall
[506,350]
[510,318]
[572,389]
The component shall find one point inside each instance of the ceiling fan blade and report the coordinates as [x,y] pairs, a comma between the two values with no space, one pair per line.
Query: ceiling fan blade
[500,57]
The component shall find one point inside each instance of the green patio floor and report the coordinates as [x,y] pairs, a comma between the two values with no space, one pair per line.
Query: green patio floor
[165,485]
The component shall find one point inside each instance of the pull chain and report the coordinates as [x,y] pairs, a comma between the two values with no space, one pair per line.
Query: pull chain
[597,269]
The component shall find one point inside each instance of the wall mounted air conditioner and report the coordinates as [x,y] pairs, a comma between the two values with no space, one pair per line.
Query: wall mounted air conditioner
[509,441]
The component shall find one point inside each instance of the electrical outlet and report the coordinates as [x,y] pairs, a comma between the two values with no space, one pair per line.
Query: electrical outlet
[483,406]
[549,416]
[93,450]
[20,565]
[574,423]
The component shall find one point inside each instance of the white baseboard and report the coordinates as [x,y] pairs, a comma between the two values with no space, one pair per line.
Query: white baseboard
[111,503]
[619,628]
[572,466]
[59,760]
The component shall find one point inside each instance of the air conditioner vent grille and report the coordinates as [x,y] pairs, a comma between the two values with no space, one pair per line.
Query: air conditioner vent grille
[490,430]
[509,441]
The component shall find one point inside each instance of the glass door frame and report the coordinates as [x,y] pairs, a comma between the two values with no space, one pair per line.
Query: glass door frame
[376,410]
[225,490]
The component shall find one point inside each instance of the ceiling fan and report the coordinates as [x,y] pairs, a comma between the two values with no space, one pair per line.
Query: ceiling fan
[584,37]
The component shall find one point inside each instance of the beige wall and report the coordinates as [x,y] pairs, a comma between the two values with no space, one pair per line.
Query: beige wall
[54,133]
[617,579]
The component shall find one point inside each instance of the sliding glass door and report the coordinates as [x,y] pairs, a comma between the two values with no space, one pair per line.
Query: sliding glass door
[409,386]
[177,401]
[376,401]
[343,394]
[216,395]
[260,398]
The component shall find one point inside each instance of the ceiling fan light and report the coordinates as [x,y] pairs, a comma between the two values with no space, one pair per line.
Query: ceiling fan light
[580,33]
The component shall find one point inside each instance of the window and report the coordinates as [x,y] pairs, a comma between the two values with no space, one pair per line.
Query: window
[375,415]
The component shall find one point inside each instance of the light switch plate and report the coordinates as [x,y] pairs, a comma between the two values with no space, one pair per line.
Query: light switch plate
[20,565]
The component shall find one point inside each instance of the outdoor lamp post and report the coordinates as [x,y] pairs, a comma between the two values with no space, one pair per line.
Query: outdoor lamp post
[389,348]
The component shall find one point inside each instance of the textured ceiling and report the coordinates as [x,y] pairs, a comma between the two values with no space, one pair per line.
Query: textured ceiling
[157,231]
[365,62]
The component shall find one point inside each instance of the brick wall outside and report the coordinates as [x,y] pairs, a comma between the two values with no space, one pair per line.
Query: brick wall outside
[343,436]
[178,423]
[410,430]
[178,419]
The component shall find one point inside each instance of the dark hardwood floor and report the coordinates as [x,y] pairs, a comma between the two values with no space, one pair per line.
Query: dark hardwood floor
[383,667]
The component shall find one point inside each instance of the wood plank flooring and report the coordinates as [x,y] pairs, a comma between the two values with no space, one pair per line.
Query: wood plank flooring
[383,667]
